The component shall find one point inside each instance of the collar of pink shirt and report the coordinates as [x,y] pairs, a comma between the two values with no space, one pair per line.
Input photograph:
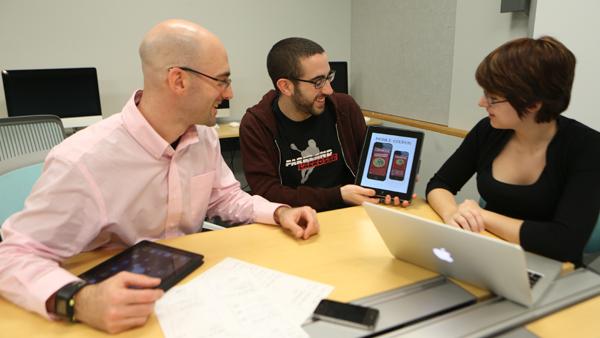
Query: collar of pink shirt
[146,136]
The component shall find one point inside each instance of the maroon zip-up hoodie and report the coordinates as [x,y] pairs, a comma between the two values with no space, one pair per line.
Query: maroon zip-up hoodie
[261,157]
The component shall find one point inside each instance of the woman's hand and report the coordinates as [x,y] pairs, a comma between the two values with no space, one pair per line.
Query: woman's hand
[468,216]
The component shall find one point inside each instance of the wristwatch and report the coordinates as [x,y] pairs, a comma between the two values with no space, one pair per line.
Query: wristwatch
[64,302]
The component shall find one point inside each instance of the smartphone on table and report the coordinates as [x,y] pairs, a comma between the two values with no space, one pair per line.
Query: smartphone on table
[347,314]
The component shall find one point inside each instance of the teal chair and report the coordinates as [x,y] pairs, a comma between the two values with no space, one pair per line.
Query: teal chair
[24,143]
[593,244]
[591,251]
[17,177]
[16,186]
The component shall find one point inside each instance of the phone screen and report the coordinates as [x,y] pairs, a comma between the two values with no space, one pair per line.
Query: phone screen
[380,158]
[399,165]
[344,313]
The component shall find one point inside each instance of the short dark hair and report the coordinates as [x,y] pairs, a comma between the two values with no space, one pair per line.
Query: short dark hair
[526,71]
[283,60]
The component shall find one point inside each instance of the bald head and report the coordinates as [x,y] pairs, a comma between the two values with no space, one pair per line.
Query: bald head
[176,43]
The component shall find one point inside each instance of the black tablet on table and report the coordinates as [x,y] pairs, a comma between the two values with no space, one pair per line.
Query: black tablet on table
[148,258]
[389,161]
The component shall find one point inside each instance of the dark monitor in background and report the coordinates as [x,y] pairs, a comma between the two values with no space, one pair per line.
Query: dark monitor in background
[340,83]
[223,109]
[70,93]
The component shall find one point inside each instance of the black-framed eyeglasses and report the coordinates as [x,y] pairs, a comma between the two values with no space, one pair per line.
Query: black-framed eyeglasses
[222,83]
[491,101]
[320,81]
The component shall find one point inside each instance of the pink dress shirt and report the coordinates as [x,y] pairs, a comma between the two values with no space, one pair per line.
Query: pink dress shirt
[113,184]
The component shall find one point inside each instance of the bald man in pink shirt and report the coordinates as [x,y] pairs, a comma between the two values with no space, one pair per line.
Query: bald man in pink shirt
[152,171]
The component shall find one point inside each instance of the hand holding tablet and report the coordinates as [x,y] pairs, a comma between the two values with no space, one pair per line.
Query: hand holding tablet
[122,290]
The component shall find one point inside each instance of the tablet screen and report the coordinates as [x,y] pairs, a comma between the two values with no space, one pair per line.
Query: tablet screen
[389,161]
[149,259]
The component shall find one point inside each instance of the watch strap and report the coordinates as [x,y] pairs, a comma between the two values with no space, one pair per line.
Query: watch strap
[64,302]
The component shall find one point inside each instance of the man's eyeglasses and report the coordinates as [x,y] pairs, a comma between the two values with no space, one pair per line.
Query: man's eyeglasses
[222,83]
[492,101]
[320,81]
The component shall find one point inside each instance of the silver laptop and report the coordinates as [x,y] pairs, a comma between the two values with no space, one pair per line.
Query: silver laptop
[489,263]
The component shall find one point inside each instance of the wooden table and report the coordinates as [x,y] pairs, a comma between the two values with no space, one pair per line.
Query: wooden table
[348,254]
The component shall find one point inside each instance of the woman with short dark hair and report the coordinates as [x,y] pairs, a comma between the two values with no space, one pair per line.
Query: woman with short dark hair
[537,171]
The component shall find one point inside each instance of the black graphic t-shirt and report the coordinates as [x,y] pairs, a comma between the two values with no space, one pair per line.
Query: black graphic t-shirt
[310,151]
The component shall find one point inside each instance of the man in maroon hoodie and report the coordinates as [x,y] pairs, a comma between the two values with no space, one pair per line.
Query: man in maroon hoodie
[301,143]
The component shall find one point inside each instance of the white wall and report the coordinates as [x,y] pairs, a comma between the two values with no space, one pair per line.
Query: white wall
[417,59]
[402,57]
[105,34]
[420,62]
[480,28]
[576,24]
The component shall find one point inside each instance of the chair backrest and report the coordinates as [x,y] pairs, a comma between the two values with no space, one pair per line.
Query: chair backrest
[593,244]
[16,186]
[21,161]
[21,135]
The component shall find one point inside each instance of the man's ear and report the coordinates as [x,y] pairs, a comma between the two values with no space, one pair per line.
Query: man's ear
[176,81]
[285,86]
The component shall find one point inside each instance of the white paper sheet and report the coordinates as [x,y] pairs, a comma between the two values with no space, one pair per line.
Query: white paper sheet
[239,299]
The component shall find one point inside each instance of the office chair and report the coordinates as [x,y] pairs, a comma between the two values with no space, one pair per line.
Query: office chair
[17,177]
[593,244]
[591,251]
[21,135]
[24,144]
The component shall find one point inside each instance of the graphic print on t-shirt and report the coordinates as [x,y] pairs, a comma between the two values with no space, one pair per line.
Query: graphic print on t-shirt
[311,158]
[310,152]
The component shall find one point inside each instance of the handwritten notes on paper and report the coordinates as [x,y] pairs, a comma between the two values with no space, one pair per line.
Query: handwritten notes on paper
[239,299]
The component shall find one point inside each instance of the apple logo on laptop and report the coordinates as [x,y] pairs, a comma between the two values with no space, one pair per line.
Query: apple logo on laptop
[443,254]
